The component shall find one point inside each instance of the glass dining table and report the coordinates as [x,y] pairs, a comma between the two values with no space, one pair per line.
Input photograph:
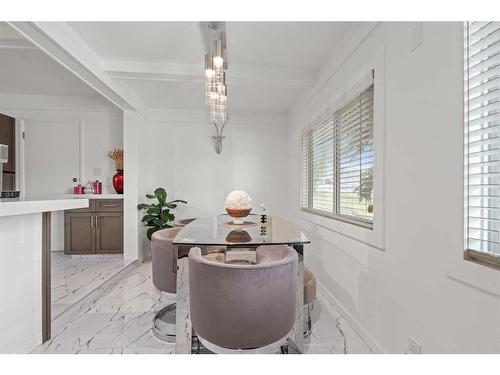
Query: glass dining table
[221,231]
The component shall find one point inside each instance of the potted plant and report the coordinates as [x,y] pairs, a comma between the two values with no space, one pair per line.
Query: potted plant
[158,215]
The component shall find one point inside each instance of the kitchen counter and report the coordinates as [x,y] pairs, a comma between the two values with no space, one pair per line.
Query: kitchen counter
[24,206]
[95,196]
[25,246]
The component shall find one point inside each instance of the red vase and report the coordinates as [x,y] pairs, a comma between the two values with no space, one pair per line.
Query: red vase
[118,181]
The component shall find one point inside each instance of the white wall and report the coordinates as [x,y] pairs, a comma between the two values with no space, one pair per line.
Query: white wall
[21,276]
[417,285]
[181,158]
[134,134]
[101,130]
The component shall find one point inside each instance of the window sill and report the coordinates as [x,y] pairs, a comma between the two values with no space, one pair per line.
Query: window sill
[372,236]
[482,259]
[343,219]
[476,274]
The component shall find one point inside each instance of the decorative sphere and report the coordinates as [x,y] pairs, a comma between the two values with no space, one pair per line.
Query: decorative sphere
[238,200]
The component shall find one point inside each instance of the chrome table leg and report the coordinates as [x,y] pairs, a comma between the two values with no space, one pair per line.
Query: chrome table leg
[297,335]
[307,319]
[183,321]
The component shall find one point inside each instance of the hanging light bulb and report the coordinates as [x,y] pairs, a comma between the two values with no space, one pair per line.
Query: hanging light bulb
[209,68]
[217,54]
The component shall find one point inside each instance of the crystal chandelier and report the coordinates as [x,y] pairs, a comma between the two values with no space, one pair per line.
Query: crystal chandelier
[215,80]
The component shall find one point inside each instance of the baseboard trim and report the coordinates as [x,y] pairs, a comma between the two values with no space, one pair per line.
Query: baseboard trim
[353,322]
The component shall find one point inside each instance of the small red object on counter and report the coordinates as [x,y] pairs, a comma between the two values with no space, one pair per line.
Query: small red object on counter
[78,189]
[98,187]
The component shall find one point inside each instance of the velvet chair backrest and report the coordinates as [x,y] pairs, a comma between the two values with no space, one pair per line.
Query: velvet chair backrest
[164,278]
[242,306]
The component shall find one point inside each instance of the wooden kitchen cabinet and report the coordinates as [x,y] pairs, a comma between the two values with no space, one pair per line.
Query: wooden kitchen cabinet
[97,229]
[79,233]
[109,233]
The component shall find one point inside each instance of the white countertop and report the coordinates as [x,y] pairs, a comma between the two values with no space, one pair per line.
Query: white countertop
[95,196]
[24,206]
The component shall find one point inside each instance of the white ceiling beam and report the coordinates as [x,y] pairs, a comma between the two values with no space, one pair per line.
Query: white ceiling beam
[15,43]
[236,75]
[60,41]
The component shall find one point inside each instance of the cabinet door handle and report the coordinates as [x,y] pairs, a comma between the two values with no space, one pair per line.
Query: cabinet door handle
[110,205]
[92,221]
[97,221]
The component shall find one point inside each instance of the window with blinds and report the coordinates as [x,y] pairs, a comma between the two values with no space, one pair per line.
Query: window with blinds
[337,163]
[482,137]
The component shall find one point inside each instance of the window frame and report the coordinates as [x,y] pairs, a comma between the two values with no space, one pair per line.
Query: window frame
[471,255]
[331,119]
[342,85]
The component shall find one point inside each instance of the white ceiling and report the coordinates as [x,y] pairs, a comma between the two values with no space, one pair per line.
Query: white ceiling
[270,64]
[143,41]
[290,45]
[31,72]
[26,70]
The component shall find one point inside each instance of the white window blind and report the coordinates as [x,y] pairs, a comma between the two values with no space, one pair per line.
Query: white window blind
[337,162]
[322,166]
[355,157]
[482,136]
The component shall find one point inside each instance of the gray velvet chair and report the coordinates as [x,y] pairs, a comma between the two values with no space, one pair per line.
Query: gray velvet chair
[271,253]
[183,222]
[165,280]
[242,307]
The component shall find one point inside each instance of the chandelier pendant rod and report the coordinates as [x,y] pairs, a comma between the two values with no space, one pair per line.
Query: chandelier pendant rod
[215,73]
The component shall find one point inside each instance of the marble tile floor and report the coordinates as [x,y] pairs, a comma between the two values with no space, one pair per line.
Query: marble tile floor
[75,276]
[119,322]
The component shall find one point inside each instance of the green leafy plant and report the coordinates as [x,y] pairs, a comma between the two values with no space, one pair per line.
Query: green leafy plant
[158,215]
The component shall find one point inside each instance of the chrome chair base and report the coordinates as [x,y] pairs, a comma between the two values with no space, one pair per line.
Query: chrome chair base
[198,348]
[164,323]
[307,319]
[164,326]
[202,346]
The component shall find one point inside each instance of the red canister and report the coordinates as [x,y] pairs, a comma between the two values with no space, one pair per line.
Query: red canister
[98,187]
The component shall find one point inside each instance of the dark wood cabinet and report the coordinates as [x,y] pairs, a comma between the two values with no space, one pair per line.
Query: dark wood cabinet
[108,205]
[79,233]
[97,229]
[109,233]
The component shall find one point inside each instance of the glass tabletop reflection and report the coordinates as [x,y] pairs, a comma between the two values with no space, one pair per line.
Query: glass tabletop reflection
[221,230]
